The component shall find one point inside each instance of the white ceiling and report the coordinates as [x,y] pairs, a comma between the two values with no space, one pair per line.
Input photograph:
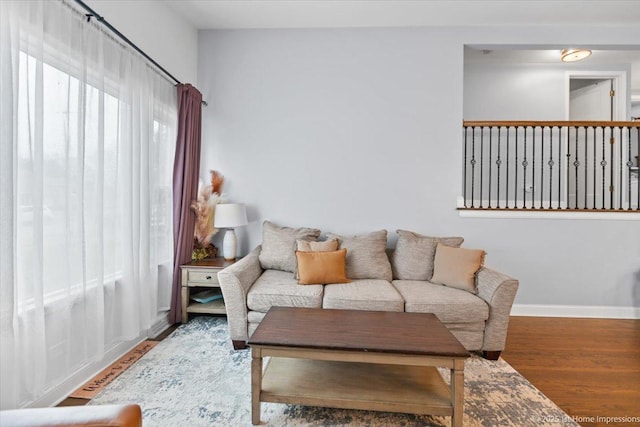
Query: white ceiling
[217,14]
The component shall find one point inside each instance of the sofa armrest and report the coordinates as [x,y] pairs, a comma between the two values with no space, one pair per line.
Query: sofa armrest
[499,291]
[235,282]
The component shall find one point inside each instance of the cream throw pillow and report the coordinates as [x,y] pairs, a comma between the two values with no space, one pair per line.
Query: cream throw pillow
[326,246]
[457,267]
[413,256]
[319,268]
[279,245]
[366,255]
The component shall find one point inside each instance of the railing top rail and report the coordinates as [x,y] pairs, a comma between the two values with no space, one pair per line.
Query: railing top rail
[557,123]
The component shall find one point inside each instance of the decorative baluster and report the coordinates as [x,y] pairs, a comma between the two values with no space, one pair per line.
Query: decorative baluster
[586,169]
[498,163]
[490,157]
[629,165]
[603,163]
[621,136]
[481,164]
[515,184]
[550,163]
[524,171]
[576,164]
[533,169]
[464,170]
[473,164]
[542,169]
[506,189]
[612,141]
[568,165]
[595,168]
[560,167]
[638,170]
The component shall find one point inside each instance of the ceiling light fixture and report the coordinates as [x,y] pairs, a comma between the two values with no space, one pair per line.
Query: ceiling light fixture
[573,55]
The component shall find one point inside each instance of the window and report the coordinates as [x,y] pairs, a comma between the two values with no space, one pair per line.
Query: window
[81,182]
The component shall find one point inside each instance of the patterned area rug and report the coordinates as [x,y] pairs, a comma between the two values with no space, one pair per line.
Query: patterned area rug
[195,378]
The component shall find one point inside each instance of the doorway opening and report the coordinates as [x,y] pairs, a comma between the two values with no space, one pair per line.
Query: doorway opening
[599,97]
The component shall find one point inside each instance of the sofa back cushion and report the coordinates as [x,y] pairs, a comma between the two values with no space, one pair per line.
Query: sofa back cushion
[366,255]
[279,245]
[413,256]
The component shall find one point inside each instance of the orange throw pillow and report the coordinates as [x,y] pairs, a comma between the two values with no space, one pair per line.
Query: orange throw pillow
[322,267]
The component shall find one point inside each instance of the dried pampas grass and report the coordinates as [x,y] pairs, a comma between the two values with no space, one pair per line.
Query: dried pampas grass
[204,208]
[217,179]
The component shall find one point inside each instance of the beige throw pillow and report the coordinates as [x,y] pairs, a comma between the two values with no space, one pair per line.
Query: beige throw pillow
[366,255]
[326,246]
[413,256]
[457,267]
[279,245]
[319,268]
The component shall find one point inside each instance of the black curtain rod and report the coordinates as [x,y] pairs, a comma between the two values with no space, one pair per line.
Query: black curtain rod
[93,14]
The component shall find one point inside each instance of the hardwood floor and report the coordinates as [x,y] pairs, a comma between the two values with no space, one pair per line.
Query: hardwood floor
[589,367]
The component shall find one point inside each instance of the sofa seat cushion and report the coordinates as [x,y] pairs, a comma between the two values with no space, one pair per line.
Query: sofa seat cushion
[451,305]
[255,316]
[470,335]
[275,288]
[363,294]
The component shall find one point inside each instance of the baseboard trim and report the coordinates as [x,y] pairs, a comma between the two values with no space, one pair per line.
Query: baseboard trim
[604,312]
[59,392]
[161,325]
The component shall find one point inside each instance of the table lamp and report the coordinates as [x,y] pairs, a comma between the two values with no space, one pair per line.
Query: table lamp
[229,216]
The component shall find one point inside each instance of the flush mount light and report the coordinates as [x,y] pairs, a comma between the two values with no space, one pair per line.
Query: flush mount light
[573,55]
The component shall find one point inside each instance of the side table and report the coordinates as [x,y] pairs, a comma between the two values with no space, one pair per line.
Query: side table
[199,276]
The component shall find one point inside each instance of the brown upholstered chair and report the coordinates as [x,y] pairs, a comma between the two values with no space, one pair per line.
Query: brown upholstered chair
[74,416]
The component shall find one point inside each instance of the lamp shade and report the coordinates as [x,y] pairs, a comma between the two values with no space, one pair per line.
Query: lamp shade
[230,215]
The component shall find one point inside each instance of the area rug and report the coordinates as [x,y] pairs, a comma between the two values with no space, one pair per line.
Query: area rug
[96,384]
[195,378]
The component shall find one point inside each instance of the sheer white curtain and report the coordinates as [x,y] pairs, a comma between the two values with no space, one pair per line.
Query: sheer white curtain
[86,158]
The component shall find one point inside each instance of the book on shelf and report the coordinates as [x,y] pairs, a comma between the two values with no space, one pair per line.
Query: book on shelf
[206,296]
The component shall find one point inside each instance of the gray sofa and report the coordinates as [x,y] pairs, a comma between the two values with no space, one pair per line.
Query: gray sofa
[478,318]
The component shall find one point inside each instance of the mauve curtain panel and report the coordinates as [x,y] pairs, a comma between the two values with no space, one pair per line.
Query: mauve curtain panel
[186,168]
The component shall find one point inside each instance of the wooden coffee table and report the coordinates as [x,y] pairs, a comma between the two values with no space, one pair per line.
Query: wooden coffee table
[371,360]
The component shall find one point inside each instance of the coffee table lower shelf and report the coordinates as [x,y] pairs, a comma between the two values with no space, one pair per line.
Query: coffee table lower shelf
[354,385]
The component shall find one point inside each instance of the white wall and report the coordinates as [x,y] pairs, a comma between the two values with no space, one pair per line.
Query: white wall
[156,29]
[524,91]
[356,130]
